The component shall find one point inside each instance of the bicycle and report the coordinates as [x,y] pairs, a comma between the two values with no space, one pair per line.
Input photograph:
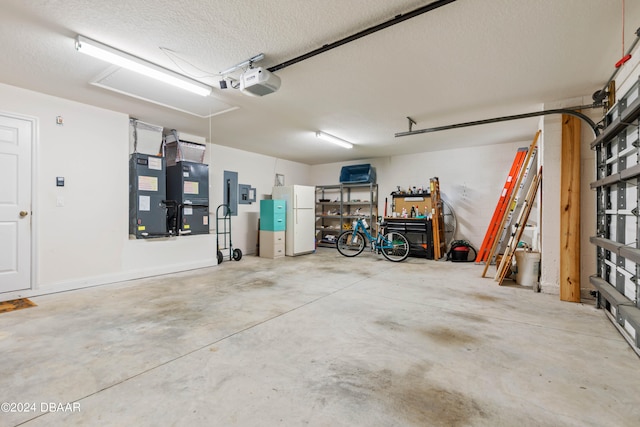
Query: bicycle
[394,246]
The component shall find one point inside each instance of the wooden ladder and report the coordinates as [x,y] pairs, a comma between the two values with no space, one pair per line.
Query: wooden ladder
[505,264]
[505,222]
[502,206]
[437,220]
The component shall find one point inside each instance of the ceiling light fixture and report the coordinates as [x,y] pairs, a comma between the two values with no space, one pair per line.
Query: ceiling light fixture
[133,63]
[335,140]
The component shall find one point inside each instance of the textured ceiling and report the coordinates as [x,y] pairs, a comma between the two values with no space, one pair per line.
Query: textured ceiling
[469,60]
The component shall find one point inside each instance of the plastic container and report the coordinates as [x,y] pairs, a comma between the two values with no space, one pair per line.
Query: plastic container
[527,268]
[358,173]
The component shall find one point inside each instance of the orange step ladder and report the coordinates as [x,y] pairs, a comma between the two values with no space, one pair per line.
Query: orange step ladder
[503,204]
[505,223]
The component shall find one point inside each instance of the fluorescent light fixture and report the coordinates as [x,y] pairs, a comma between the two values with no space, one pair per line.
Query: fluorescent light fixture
[133,63]
[333,139]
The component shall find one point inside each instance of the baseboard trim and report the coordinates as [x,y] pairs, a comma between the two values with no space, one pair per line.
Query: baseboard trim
[108,279]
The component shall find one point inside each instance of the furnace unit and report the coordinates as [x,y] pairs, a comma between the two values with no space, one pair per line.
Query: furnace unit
[188,186]
[147,194]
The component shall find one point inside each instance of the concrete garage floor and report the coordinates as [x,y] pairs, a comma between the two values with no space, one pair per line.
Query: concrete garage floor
[318,340]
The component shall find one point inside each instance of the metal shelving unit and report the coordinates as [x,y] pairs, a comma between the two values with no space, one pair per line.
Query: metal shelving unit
[338,205]
[617,236]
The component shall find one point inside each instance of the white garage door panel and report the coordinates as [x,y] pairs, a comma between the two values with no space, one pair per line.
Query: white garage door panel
[8,247]
[618,203]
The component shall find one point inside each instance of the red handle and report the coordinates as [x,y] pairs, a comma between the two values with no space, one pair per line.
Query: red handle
[623,60]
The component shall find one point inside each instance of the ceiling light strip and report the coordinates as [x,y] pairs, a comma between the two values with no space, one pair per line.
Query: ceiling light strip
[334,140]
[122,59]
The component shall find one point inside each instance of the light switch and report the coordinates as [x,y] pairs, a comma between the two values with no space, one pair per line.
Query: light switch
[60,181]
[60,202]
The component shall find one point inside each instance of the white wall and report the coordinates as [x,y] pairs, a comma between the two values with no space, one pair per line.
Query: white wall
[470,180]
[86,242]
[256,170]
[587,203]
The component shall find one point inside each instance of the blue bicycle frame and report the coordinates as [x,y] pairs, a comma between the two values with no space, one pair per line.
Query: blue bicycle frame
[377,243]
[393,245]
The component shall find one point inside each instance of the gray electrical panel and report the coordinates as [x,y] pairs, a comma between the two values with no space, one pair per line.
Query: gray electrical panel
[188,186]
[147,194]
[230,186]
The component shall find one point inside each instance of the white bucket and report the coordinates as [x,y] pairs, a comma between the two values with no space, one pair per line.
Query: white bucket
[527,268]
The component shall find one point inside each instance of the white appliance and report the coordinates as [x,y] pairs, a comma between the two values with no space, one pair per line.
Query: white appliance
[300,235]
[259,82]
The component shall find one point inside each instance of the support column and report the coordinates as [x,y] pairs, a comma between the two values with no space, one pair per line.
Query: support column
[570,210]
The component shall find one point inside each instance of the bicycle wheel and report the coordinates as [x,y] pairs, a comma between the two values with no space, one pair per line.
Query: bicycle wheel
[350,245]
[395,247]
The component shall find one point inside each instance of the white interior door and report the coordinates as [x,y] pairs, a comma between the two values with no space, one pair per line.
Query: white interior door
[15,203]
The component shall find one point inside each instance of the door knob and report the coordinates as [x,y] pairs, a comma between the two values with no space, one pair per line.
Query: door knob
[24,213]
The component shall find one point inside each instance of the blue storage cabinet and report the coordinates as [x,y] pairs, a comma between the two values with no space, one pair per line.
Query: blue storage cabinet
[273,215]
[272,228]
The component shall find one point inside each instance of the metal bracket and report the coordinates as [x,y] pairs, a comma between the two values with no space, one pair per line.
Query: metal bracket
[249,62]
[596,295]
[411,123]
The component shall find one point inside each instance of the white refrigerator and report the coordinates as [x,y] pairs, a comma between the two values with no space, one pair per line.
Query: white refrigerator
[300,235]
